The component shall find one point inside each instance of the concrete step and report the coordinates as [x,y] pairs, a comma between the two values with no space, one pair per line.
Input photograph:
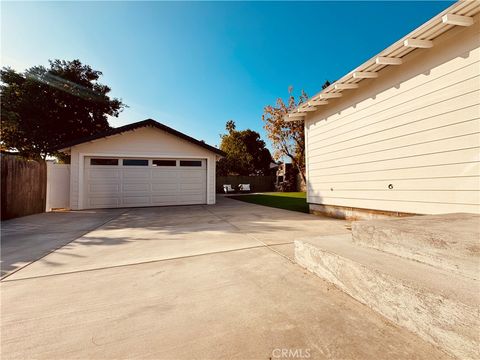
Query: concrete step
[439,306]
[450,241]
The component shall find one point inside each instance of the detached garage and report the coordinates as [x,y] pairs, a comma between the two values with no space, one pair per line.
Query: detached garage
[141,164]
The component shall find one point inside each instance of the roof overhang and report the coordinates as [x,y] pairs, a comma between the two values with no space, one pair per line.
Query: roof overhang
[459,14]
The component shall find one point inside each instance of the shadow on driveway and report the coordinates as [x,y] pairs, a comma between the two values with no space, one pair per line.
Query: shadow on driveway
[60,243]
[30,238]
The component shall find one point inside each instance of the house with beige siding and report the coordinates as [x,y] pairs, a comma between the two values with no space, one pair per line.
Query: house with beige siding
[400,134]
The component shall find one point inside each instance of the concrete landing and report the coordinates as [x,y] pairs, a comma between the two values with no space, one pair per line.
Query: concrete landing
[438,305]
[450,241]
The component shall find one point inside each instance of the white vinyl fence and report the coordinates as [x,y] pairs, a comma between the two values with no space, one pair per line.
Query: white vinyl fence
[58,186]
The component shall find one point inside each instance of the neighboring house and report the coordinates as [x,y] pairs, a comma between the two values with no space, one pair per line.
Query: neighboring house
[400,133]
[286,177]
[141,164]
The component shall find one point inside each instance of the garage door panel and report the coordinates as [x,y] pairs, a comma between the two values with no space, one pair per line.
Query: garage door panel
[164,187]
[167,199]
[141,173]
[129,186]
[136,200]
[193,171]
[191,179]
[192,183]
[190,170]
[189,193]
[104,202]
[191,199]
[98,188]
[165,173]
[136,187]
[162,182]
[193,186]
[157,196]
[102,174]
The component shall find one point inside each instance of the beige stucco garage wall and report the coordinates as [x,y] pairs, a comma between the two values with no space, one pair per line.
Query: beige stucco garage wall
[416,128]
[143,142]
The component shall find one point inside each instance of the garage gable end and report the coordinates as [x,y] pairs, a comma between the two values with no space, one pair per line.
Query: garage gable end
[145,124]
[145,140]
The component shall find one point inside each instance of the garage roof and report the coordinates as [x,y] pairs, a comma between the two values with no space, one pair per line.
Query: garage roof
[137,125]
[459,14]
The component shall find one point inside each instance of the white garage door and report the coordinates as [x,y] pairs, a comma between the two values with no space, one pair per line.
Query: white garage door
[128,182]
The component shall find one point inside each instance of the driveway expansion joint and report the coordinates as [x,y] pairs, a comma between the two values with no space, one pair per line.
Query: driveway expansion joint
[141,263]
[269,247]
[2,278]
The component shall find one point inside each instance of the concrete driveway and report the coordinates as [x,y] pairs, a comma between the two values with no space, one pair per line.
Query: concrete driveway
[194,282]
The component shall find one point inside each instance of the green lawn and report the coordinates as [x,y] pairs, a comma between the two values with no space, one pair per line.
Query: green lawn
[294,201]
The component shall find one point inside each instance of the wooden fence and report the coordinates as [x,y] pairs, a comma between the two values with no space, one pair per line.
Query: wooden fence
[23,186]
[257,183]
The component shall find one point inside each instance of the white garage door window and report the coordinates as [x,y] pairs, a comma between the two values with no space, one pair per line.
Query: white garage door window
[130,182]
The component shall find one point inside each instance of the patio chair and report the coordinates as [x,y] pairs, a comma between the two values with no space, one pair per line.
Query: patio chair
[244,188]
[227,188]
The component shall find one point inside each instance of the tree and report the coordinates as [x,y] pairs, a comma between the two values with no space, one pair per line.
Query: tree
[44,108]
[326,84]
[246,153]
[230,126]
[287,137]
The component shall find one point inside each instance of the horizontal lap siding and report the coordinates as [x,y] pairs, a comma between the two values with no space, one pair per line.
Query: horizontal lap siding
[416,129]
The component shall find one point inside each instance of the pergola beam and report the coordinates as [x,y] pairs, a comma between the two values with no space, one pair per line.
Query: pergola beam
[382,60]
[346,86]
[364,75]
[453,19]
[417,43]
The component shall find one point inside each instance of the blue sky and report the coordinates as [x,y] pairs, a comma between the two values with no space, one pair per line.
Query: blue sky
[195,65]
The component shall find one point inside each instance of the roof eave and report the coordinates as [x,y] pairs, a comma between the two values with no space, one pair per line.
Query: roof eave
[421,37]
